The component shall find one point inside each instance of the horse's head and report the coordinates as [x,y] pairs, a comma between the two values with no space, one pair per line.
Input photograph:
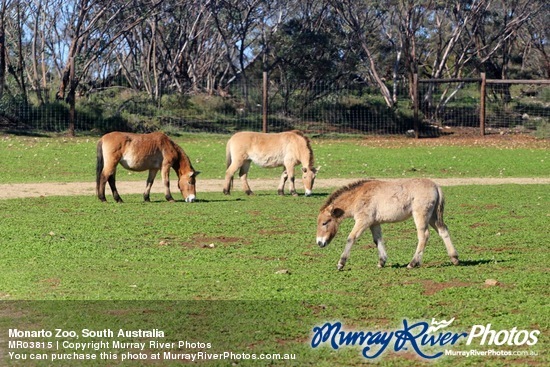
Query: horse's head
[328,222]
[186,184]
[308,178]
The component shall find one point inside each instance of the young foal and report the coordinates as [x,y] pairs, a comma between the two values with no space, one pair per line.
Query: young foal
[286,149]
[372,202]
[140,152]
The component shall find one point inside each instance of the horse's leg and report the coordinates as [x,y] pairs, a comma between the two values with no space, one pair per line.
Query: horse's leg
[165,173]
[107,174]
[229,177]
[281,188]
[443,232]
[243,174]
[423,233]
[149,183]
[357,230]
[112,184]
[290,170]
[376,231]
[101,187]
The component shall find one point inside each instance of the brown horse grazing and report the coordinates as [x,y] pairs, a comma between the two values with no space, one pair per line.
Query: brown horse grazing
[286,149]
[140,152]
[372,202]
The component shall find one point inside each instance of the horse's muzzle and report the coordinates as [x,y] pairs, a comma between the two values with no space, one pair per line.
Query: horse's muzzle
[190,199]
[322,241]
[308,192]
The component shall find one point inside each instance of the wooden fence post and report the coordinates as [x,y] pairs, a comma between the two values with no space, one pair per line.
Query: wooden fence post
[415,96]
[483,92]
[71,97]
[264,102]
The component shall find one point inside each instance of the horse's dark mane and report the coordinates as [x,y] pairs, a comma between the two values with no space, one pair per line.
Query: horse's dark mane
[311,162]
[181,154]
[342,190]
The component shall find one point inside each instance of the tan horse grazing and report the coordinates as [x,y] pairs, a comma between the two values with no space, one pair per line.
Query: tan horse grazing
[372,202]
[140,152]
[286,149]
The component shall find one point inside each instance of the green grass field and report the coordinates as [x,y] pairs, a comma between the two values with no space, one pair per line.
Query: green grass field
[33,159]
[245,274]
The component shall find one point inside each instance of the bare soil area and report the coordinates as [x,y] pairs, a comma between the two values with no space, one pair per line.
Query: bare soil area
[503,139]
[11,191]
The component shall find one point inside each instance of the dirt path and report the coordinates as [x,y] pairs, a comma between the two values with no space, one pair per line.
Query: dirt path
[10,191]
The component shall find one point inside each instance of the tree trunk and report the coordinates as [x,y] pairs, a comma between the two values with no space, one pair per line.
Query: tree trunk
[2,50]
[35,76]
[21,57]
[383,88]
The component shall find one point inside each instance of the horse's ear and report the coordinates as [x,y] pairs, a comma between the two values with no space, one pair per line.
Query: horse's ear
[336,212]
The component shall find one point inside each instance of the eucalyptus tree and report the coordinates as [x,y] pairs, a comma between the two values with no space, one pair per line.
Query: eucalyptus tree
[237,22]
[3,18]
[535,45]
[363,21]
[475,36]
[90,29]
[310,55]
[178,48]
[13,15]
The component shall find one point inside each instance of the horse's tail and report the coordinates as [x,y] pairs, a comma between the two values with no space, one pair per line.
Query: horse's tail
[228,160]
[439,207]
[100,163]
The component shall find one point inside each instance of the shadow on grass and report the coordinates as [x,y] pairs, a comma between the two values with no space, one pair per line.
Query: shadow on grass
[476,262]
[448,264]
[197,201]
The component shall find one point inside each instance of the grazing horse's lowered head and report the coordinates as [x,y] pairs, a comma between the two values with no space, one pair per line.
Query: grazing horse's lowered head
[186,184]
[328,222]
[308,178]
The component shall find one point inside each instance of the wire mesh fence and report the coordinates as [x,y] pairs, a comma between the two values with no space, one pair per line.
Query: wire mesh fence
[317,108]
[499,106]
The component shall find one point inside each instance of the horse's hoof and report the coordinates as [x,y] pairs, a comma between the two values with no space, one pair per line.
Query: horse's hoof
[249,192]
[280,192]
[226,192]
[340,267]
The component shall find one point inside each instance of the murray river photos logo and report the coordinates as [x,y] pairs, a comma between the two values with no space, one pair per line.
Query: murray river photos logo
[429,341]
